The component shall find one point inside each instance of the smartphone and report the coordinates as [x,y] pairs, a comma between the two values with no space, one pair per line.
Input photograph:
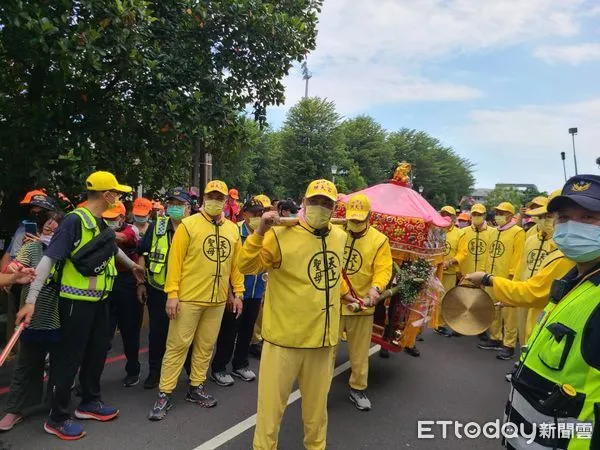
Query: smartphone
[30,227]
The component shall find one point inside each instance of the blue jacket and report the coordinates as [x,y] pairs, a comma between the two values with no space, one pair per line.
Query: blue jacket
[254,284]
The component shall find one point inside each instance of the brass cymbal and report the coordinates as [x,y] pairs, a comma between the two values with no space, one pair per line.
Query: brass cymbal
[468,310]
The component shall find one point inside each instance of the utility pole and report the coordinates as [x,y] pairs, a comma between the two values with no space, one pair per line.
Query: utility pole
[306,75]
[563,157]
[573,132]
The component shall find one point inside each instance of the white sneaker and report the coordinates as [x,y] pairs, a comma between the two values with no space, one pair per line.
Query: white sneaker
[360,400]
[244,374]
[222,378]
[508,377]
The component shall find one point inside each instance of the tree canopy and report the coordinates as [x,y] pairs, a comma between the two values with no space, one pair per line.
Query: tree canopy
[132,85]
[314,138]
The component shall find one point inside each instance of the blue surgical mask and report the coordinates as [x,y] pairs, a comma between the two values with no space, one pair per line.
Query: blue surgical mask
[140,219]
[176,212]
[114,224]
[580,242]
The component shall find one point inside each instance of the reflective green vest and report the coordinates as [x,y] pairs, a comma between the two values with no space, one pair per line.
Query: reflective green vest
[74,285]
[156,267]
[554,359]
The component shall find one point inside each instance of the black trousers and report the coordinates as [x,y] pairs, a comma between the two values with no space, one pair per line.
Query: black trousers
[83,344]
[127,313]
[236,333]
[27,384]
[159,329]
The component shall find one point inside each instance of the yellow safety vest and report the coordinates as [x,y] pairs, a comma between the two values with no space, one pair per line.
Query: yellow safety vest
[360,260]
[557,357]
[156,269]
[302,301]
[75,286]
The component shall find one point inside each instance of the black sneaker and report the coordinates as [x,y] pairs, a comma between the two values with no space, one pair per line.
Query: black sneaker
[490,345]
[443,331]
[199,396]
[420,338]
[161,406]
[506,353]
[383,353]
[483,336]
[255,350]
[152,381]
[131,380]
[412,351]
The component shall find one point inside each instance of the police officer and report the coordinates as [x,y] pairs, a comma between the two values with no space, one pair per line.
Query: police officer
[83,308]
[155,248]
[559,378]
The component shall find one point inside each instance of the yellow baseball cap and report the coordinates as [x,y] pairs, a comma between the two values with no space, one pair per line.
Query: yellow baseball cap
[105,181]
[324,188]
[216,186]
[449,209]
[358,207]
[505,207]
[116,211]
[264,200]
[478,208]
[539,201]
[544,208]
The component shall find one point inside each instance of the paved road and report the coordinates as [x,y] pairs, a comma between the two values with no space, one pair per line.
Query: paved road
[451,380]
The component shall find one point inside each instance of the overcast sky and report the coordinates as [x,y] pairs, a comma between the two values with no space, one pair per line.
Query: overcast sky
[501,81]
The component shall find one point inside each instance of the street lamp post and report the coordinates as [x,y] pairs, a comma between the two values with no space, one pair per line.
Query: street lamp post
[573,132]
[421,189]
[334,171]
[563,157]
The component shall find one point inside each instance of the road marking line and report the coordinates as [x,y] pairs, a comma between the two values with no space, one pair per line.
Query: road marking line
[248,423]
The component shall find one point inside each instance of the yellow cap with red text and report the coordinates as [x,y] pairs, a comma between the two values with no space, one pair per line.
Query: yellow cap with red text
[216,186]
[358,208]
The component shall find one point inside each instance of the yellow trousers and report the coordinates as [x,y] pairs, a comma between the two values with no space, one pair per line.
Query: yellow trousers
[522,314]
[280,367]
[532,317]
[504,326]
[358,335]
[256,337]
[193,324]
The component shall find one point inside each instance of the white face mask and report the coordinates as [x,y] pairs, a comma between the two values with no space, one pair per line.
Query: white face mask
[45,239]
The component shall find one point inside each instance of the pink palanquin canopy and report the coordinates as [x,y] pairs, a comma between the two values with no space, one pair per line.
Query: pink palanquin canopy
[394,200]
[404,216]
